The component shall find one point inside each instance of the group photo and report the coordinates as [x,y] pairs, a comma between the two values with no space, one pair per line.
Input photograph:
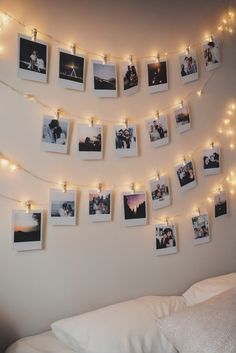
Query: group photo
[158,131]
[186,175]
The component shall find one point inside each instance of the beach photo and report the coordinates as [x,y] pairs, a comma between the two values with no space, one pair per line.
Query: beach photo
[71,70]
[135,208]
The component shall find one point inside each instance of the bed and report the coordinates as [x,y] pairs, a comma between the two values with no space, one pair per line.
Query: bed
[202,320]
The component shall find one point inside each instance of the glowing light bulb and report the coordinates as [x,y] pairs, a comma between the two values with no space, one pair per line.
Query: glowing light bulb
[220,28]
[229,112]
[13,167]
[226,121]
[199,92]
[231,146]
[4,162]
[209,199]
[232,192]
[233,106]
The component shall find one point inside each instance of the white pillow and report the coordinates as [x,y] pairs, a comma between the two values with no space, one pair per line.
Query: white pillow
[126,327]
[208,288]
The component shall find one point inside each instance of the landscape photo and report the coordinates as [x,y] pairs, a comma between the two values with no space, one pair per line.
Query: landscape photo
[71,70]
[104,76]
[135,212]
[90,141]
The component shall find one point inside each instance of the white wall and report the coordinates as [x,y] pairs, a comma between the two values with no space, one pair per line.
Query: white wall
[91,265]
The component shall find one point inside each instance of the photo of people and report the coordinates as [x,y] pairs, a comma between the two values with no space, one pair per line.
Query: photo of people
[100,204]
[221,205]
[130,78]
[186,175]
[157,76]
[182,119]
[104,77]
[166,239]
[158,131]
[62,209]
[135,209]
[211,54]
[90,145]
[71,70]
[27,230]
[188,67]
[201,229]
[32,59]
[55,134]
[211,161]
[125,140]
[160,192]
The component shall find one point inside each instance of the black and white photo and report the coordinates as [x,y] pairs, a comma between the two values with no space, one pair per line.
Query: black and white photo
[62,210]
[157,76]
[221,204]
[188,67]
[55,134]
[100,205]
[211,161]
[211,54]
[90,141]
[201,229]
[104,79]
[135,208]
[125,140]
[160,192]
[186,175]
[32,59]
[166,239]
[27,230]
[71,70]
[130,78]
[182,119]
[158,131]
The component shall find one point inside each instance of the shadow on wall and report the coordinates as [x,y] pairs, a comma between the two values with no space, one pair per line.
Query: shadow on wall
[7,332]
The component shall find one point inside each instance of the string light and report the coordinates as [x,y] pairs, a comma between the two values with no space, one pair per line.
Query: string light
[227,23]
[199,92]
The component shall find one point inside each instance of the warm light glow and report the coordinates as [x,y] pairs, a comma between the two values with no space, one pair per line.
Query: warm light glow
[233,106]
[220,131]
[232,192]
[13,167]
[4,162]
[231,146]
[229,112]
[230,132]
[226,121]
[220,28]
[199,92]
[209,199]
[30,97]
[4,19]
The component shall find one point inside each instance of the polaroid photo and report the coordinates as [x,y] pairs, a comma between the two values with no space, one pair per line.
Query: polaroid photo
[71,70]
[201,229]
[211,161]
[186,175]
[221,205]
[158,131]
[160,192]
[90,141]
[62,210]
[135,208]
[188,67]
[211,54]
[166,239]
[182,119]
[104,79]
[100,205]
[27,230]
[32,59]
[55,135]
[130,78]
[125,140]
[157,76]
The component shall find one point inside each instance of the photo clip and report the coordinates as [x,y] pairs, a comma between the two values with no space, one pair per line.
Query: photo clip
[100,187]
[158,176]
[34,34]
[28,205]
[104,59]
[91,122]
[187,50]
[64,187]
[212,144]
[132,187]
[182,103]
[167,221]
[58,114]
[131,59]
[126,123]
[73,48]
[157,115]
[158,58]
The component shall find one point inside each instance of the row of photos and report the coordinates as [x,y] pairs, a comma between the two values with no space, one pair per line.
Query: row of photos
[33,65]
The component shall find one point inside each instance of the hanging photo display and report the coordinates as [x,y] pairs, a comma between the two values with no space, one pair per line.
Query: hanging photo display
[211,54]
[130,78]
[221,205]
[211,161]
[90,141]
[55,135]
[32,59]
[71,70]
[186,175]
[201,229]
[27,229]
[158,131]
[62,209]
[125,140]
[104,79]
[100,205]
[160,192]
[166,239]
[182,119]
[188,66]
[135,208]
[157,76]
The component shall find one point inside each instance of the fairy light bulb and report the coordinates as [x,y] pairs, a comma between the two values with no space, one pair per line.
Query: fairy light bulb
[4,162]
[209,199]
[13,167]
[226,121]
[231,146]
[199,92]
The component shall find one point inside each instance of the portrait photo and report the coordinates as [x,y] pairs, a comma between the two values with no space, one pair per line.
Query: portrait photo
[166,239]
[158,131]
[211,54]
[157,76]
[27,230]
[125,140]
[211,161]
[186,175]
[100,206]
[221,205]
[71,70]
[104,79]
[55,135]
[62,210]
[188,67]
[130,78]
[160,192]
[201,229]
[182,119]
[135,208]
[32,59]
[90,141]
